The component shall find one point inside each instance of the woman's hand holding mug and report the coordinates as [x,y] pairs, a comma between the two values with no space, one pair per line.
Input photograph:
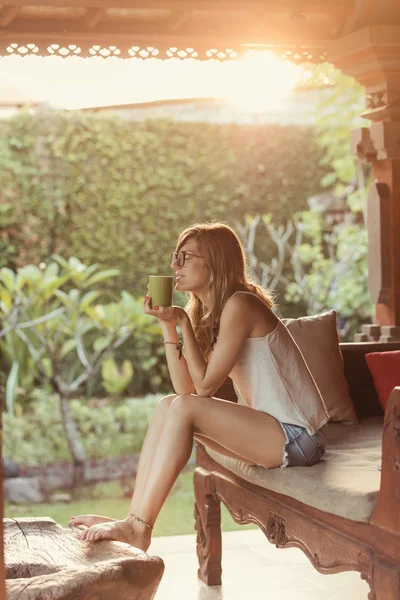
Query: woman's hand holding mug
[167,314]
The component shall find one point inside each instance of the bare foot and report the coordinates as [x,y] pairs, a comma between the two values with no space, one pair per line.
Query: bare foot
[89,520]
[127,531]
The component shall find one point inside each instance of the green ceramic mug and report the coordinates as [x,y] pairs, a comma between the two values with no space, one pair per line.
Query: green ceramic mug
[160,290]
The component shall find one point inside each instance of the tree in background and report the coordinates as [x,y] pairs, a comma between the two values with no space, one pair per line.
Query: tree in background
[320,260]
[313,270]
[54,336]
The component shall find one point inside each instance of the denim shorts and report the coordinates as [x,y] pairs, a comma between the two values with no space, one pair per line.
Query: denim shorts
[301,448]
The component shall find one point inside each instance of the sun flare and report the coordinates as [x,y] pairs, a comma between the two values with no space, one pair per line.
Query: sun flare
[260,82]
[256,83]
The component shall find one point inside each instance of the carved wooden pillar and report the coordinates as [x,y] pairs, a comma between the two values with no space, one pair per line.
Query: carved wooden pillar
[372,56]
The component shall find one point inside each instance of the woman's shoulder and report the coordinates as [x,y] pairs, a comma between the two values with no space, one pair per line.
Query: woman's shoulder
[252,307]
[246,298]
[240,299]
[237,302]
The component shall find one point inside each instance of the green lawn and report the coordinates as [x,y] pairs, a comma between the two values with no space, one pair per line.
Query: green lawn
[175,518]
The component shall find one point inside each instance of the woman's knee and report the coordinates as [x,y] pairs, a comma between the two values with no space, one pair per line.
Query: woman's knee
[165,402]
[181,404]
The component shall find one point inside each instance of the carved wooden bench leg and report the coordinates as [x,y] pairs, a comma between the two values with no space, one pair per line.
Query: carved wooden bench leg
[385,584]
[207,512]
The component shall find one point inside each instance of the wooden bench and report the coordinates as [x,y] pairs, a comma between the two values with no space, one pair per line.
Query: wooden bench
[369,544]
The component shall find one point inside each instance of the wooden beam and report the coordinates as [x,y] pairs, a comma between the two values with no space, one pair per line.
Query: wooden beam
[281,6]
[92,17]
[178,20]
[7,13]
[159,41]
[248,33]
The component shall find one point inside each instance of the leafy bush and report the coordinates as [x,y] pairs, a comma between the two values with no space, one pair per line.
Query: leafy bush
[53,333]
[35,437]
[94,188]
[116,380]
[107,428]
[330,271]
[50,309]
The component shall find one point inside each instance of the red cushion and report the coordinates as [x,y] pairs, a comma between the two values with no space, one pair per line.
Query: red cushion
[385,370]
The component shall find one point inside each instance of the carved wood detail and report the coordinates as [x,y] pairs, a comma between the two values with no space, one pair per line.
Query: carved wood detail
[285,529]
[327,550]
[385,581]
[207,515]
[362,144]
[387,513]
[276,530]
[379,261]
[150,45]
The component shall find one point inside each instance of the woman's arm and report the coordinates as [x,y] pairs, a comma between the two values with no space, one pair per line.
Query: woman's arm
[178,369]
[236,324]
[194,374]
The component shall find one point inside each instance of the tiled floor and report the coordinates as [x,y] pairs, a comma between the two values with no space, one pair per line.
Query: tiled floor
[252,569]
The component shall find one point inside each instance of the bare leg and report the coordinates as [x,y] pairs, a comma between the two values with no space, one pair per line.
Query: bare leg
[206,441]
[146,454]
[149,448]
[255,436]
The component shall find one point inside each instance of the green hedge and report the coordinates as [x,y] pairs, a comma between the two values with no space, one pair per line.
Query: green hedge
[107,428]
[118,193]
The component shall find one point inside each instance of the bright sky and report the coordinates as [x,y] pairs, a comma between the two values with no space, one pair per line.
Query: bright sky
[256,83]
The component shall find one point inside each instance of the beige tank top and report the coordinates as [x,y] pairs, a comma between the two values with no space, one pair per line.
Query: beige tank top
[271,375]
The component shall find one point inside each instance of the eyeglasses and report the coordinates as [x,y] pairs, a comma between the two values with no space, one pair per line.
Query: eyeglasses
[181,256]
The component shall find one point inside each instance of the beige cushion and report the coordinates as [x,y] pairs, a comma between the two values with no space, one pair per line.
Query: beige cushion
[345,482]
[318,340]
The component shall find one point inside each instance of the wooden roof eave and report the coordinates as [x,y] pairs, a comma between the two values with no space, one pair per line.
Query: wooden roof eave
[212,29]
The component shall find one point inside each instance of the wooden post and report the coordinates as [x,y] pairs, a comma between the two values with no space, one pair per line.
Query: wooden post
[372,56]
[2,569]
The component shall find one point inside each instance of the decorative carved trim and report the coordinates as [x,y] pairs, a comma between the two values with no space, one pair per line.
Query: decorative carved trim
[384,579]
[366,569]
[379,255]
[276,530]
[362,144]
[376,100]
[384,103]
[201,542]
[69,46]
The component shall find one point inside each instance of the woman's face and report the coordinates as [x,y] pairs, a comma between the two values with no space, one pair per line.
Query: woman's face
[192,276]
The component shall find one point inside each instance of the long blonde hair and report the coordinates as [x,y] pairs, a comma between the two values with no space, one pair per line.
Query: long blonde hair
[226,262]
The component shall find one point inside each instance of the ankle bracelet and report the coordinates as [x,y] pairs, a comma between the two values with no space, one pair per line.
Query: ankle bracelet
[141,520]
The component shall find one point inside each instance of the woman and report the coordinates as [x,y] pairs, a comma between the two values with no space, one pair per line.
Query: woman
[228,329]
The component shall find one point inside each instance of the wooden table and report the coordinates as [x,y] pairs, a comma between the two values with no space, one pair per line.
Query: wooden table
[45,561]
